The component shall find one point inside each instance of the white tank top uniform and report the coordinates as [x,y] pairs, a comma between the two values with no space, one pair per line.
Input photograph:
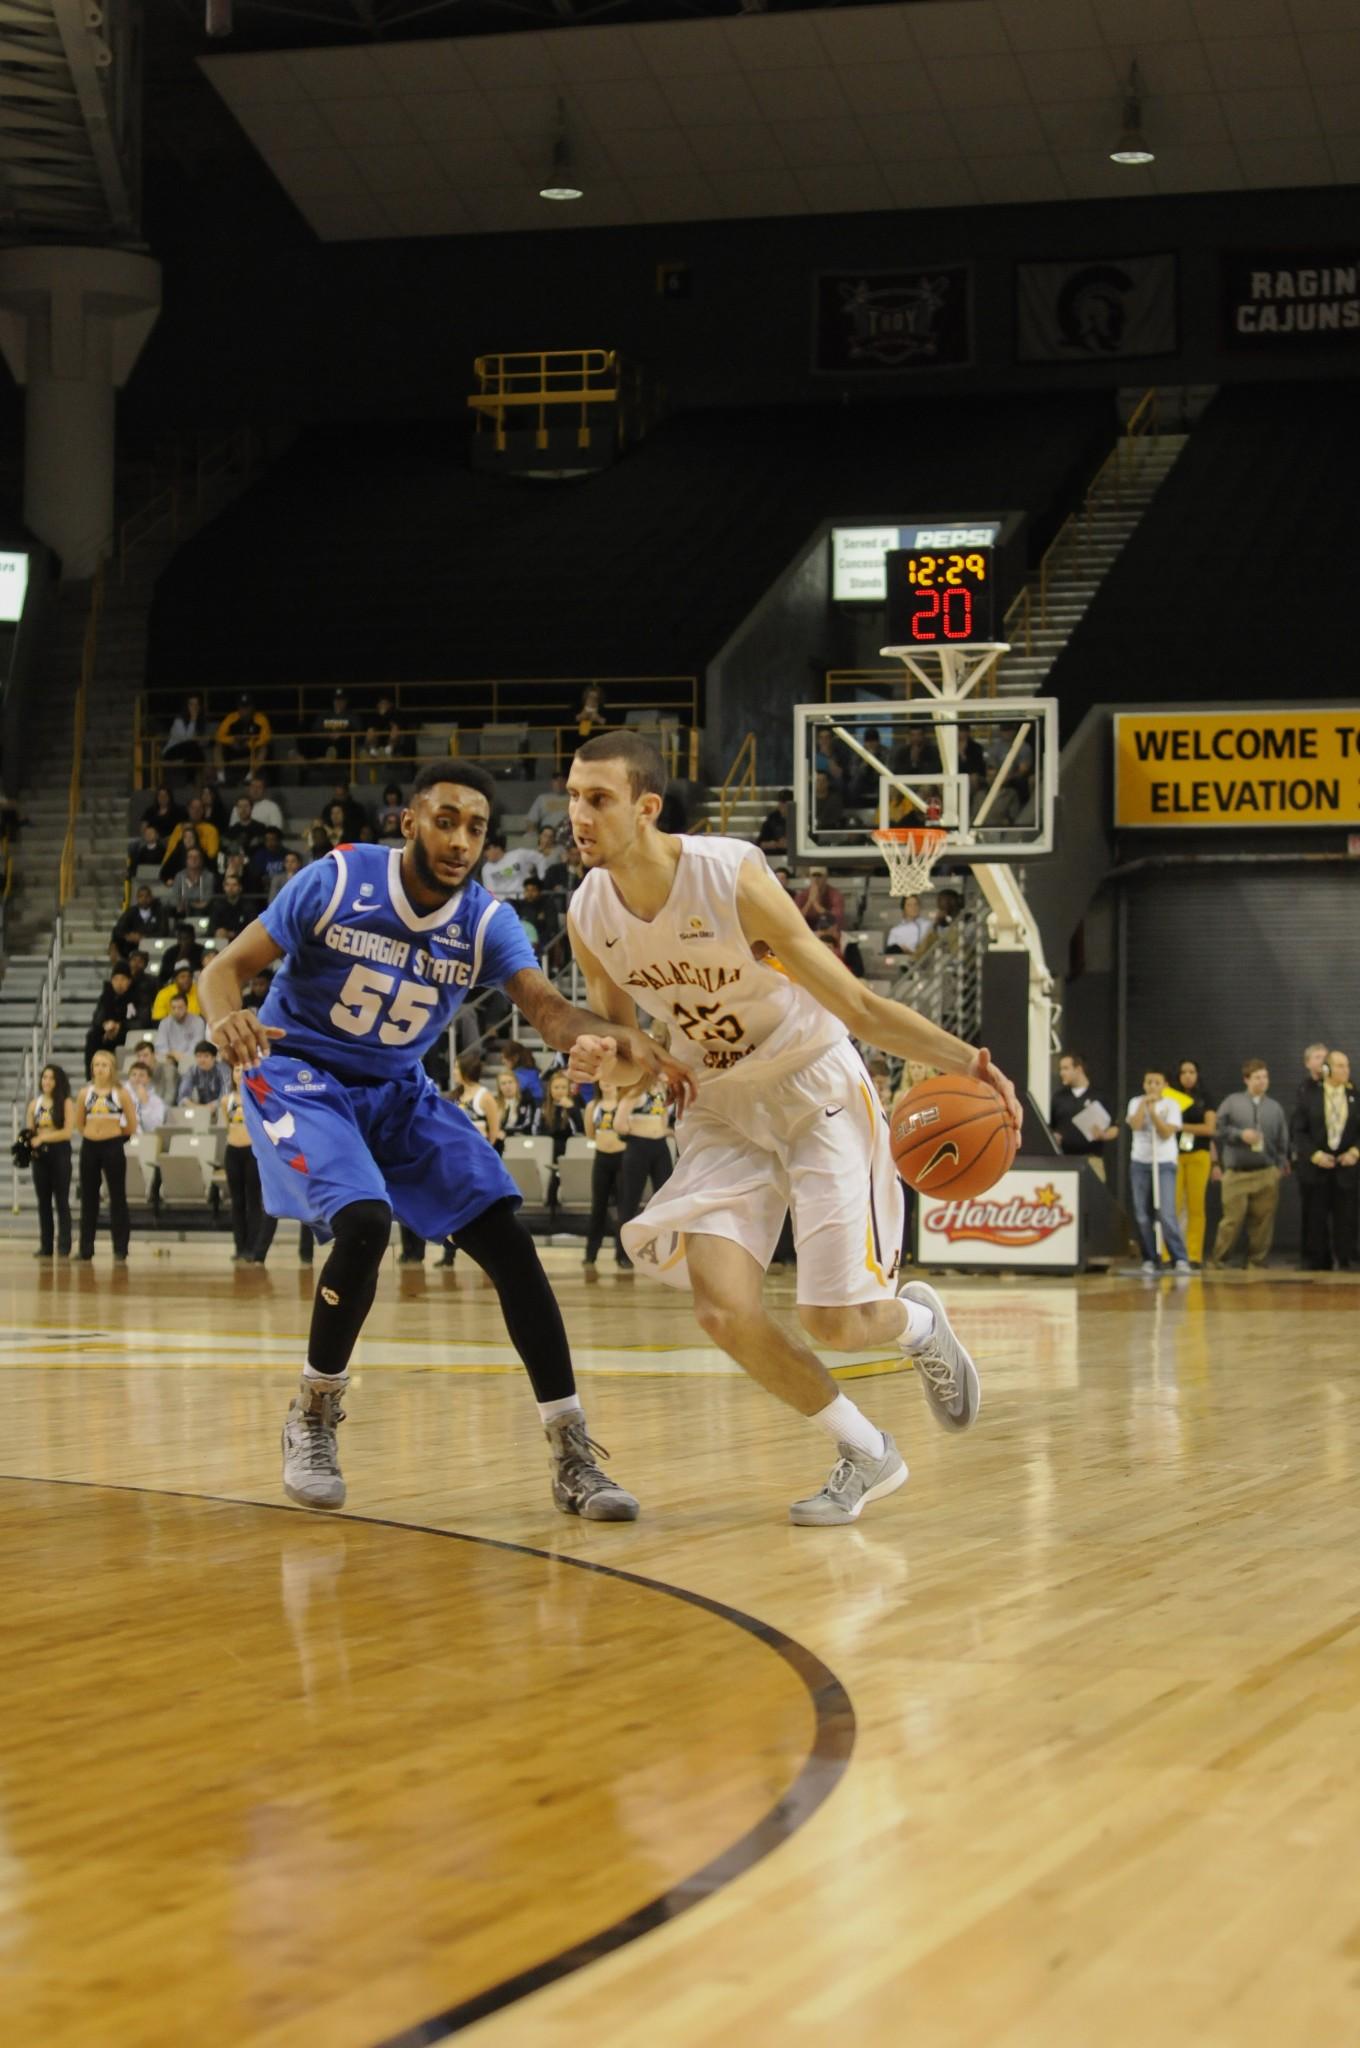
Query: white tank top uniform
[785,1115]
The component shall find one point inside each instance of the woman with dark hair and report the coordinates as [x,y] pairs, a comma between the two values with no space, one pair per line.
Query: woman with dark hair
[106,1117]
[52,1119]
[191,734]
[1195,1158]
[174,859]
[561,1116]
[163,812]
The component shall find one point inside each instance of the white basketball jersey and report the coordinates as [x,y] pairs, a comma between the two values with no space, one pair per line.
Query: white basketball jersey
[692,967]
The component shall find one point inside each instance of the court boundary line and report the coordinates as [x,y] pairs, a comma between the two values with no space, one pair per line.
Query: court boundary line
[823,1767]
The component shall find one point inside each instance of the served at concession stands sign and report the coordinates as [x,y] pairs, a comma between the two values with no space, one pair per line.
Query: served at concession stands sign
[1216,768]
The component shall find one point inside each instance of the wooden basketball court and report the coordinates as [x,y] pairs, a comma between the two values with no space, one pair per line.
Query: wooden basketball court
[1061,1745]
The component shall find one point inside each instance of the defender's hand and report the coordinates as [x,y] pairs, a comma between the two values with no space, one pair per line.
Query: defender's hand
[592,1059]
[982,1069]
[241,1038]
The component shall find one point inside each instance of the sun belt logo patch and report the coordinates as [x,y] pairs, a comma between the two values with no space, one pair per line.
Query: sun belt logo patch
[696,928]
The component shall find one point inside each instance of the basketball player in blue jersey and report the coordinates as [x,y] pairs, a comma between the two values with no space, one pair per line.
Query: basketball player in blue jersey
[380,946]
[698,933]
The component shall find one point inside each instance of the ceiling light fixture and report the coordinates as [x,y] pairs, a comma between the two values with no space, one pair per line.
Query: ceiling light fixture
[1132,146]
[561,184]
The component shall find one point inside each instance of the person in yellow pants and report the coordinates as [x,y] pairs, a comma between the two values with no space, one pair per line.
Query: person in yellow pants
[1195,1158]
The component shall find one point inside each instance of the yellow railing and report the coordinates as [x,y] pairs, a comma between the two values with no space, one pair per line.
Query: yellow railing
[66,880]
[543,379]
[185,496]
[740,780]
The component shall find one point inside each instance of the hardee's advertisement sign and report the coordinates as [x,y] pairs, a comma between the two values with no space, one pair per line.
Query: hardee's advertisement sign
[1030,1218]
[1187,769]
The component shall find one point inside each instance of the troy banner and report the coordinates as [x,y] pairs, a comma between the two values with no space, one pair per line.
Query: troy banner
[1187,769]
[1098,311]
[879,320]
[1291,301]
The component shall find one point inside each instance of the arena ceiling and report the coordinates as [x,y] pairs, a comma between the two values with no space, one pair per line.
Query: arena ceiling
[389,118]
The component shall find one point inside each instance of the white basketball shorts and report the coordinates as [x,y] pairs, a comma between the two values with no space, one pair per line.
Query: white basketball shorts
[814,1143]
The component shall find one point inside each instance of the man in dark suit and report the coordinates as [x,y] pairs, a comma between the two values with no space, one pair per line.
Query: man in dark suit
[1314,1071]
[1326,1134]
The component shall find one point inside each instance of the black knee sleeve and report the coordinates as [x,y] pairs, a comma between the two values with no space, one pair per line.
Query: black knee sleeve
[507,1254]
[348,1282]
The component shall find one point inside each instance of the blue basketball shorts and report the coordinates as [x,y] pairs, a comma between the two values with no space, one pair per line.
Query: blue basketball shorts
[322,1143]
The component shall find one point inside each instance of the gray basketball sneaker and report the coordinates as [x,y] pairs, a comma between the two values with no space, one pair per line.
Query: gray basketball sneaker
[311,1464]
[579,1486]
[855,1480]
[947,1374]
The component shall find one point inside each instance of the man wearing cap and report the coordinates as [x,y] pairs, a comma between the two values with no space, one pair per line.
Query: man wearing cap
[819,900]
[180,984]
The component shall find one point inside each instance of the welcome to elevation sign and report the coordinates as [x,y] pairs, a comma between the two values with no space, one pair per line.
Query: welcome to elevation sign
[1184,769]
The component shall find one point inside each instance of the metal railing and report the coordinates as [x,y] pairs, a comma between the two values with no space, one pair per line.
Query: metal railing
[740,780]
[546,380]
[89,654]
[187,494]
[945,983]
[1123,460]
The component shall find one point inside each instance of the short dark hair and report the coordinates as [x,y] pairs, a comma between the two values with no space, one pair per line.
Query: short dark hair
[466,774]
[646,776]
[1250,1067]
[205,1045]
[1078,1059]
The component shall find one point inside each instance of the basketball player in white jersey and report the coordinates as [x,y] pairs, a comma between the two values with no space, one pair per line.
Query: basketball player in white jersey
[697,931]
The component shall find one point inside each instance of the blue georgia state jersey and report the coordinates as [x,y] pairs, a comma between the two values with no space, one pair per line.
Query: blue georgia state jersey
[369,982]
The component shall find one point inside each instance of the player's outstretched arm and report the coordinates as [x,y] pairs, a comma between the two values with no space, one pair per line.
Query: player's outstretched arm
[611,1035]
[237,1032]
[771,924]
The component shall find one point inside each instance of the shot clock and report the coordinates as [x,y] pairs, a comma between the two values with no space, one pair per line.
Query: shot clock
[941,597]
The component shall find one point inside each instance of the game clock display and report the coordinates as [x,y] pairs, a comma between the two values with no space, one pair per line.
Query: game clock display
[940,597]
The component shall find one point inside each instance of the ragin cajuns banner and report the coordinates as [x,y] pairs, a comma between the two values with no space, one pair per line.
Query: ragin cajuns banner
[1291,301]
[879,320]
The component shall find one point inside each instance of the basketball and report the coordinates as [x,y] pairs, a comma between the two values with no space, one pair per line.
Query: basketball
[951,1136]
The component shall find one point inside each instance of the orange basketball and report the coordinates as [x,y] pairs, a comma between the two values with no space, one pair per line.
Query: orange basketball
[952,1136]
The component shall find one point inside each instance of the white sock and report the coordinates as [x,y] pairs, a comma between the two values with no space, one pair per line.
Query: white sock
[919,1327]
[548,1411]
[842,1421]
[312,1378]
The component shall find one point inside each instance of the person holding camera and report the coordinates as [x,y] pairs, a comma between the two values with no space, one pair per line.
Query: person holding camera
[50,1123]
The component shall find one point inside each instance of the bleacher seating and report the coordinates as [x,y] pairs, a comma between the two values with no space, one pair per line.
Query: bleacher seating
[378,554]
[1228,586]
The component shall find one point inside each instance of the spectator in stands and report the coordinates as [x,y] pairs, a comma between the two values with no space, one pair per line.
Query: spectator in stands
[1326,1131]
[1075,1097]
[389,826]
[205,835]
[163,812]
[181,983]
[292,865]
[257,989]
[503,873]
[1314,1073]
[828,810]
[266,861]
[590,712]
[114,1012]
[263,808]
[332,823]
[1155,1121]
[773,836]
[178,1032]
[917,754]
[519,1111]
[948,904]
[146,918]
[319,842]
[242,739]
[382,736]
[550,808]
[244,831]
[51,1122]
[214,804]
[229,913]
[560,1116]
[829,756]
[141,1081]
[196,885]
[820,900]
[1252,1144]
[141,991]
[334,728]
[547,852]
[146,852]
[1194,1161]
[206,1080]
[863,781]
[909,934]
[519,1058]
[190,734]
[356,817]
[539,909]
[106,1117]
[185,952]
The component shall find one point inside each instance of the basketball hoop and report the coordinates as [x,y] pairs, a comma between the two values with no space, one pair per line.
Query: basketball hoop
[911,852]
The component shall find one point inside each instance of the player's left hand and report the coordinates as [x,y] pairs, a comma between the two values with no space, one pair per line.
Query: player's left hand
[982,1069]
[647,1054]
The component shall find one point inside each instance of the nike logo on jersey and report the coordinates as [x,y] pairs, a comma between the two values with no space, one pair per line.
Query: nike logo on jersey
[837,1110]
[610,942]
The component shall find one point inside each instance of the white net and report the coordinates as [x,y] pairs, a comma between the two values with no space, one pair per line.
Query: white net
[910,856]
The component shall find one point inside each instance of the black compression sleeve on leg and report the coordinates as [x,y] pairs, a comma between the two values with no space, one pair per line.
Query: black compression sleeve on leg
[506,1253]
[348,1283]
